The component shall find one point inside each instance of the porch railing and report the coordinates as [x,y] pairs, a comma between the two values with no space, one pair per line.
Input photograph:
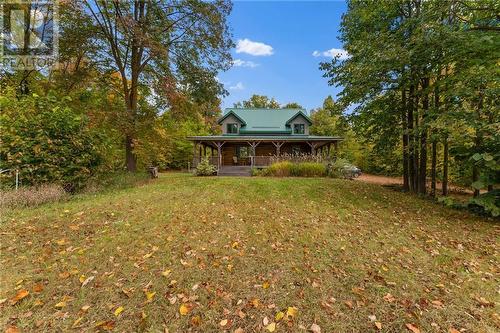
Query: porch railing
[262,161]
[213,160]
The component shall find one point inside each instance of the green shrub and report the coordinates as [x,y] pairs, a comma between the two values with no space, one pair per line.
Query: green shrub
[205,168]
[258,172]
[47,141]
[336,169]
[289,169]
[486,204]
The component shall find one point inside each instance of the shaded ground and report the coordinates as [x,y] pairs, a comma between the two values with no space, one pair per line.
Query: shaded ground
[260,254]
[456,192]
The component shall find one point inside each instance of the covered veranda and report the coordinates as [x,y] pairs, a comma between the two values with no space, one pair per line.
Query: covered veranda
[259,151]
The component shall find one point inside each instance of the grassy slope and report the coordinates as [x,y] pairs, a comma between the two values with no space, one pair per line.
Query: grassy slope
[331,248]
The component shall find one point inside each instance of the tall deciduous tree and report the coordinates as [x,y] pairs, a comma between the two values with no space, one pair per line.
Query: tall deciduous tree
[164,44]
[432,63]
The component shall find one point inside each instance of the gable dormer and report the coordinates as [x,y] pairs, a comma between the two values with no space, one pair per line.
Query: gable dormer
[231,123]
[299,124]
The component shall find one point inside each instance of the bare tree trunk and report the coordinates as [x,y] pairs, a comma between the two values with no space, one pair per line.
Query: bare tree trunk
[475,178]
[478,141]
[129,154]
[445,167]
[411,145]
[422,183]
[433,168]
[406,185]
[416,145]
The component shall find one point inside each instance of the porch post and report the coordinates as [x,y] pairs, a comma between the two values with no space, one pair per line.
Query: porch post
[219,153]
[328,150]
[313,147]
[205,150]
[253,145]
[195,160]
[278,145]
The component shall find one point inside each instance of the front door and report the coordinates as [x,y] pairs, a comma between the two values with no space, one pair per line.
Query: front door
[242,155]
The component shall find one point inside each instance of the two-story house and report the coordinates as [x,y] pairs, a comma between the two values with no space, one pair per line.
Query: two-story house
[250,137]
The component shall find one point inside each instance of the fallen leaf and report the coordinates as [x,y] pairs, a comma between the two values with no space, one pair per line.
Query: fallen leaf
[255,302]
[166,272]
[271,327]
[87,281]
[265,285]
[389,298]
[12,329]
[315,328]
[484,302]
[223,322]
[239,330]
[127,292]
[196,320]
[184,309]
[60,305]
[279,316]
[64,275]
[61,242]
[412,328]
[378,325]
[85,308]
[106,325]
[349,304]
[291,312]
[150,295]
[452,330]
[38,287]
[437,303]
[118,311]
[19,296]
[77,322]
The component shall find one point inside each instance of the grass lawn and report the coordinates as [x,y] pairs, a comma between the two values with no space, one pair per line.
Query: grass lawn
[217,254]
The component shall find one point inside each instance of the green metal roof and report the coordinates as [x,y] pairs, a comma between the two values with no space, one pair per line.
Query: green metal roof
[265,120]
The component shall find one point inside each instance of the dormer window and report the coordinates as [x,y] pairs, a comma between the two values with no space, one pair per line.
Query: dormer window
[232,128]
[299,129]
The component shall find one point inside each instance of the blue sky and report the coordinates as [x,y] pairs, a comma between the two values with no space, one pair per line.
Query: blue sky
[279,47]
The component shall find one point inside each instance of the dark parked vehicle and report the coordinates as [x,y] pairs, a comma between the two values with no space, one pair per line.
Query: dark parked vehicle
[351,171]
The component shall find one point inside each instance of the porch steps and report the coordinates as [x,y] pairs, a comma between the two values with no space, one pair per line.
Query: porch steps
[235,171]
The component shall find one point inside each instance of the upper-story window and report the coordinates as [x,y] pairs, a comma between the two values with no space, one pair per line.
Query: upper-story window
[232,128]
[299,129]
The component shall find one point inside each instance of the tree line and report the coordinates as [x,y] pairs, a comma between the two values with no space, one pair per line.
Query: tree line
[424,79]
[132,80]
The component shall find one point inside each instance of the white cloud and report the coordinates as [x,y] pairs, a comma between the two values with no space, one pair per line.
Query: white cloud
[244,63]
[253,48]
[332,53]
[237,86]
